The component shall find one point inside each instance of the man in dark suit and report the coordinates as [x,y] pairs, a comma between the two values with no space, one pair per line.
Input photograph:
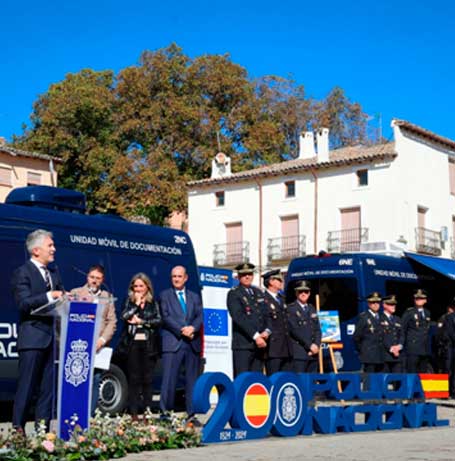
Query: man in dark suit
[416,330]
[250,323]
[35,284]
[368,336]
[392,338]
[279,350]
[181,310]
[305,330]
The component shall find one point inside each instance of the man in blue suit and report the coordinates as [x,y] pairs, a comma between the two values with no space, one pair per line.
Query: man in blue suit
[35,284]
[181,310]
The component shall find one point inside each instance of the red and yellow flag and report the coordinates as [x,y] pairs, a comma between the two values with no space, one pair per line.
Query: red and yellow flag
[435,386]
[256,405]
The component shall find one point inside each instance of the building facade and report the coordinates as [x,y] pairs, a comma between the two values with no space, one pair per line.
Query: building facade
[19,168]
[389,197]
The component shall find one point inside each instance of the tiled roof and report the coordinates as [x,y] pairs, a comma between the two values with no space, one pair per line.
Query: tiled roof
[22,153]
[340,157]
[408,126]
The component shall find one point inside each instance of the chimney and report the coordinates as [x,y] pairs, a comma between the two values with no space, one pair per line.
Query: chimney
[221,166]
[306,145]
[322,138]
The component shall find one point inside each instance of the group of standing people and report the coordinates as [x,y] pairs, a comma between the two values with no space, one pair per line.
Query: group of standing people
[390,344]
[267,333]
[169,324]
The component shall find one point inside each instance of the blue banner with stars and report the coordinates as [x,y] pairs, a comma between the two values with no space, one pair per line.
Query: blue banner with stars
[215,322]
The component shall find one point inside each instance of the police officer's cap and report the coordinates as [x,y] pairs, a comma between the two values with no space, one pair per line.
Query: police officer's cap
[374,297]
[245,268]
[275,274]
[420,294]
[302,285]
[390,299]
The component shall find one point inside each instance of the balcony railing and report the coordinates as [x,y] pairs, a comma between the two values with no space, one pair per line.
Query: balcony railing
[428,241]
[285,248]
[346,240]
[231,254]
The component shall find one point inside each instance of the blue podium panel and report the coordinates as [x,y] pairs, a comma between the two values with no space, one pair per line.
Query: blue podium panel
[77,355]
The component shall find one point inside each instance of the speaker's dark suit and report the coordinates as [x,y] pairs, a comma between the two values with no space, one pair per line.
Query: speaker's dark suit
[178,349]
[34,343]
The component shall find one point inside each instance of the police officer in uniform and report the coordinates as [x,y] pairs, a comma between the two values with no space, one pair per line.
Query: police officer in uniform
[442,343]
[279,344]
[449,328]
[368,336]
[305,330]
[392,336]
[250,322]
[416,327]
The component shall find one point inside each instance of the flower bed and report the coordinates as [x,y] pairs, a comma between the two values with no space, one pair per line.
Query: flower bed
[108,437]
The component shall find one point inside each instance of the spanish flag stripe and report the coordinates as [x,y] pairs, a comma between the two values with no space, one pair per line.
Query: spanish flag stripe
[255,405]
[436,395]
[434,376]
[429,386]
[257,420]
[257,389]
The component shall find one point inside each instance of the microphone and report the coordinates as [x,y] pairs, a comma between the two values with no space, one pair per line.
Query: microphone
[79,270]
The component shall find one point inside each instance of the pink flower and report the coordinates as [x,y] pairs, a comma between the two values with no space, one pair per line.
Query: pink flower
[48,445]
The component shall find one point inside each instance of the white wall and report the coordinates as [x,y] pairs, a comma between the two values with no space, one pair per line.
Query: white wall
[418,176]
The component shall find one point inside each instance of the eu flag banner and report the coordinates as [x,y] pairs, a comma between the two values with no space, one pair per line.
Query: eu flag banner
[215,322]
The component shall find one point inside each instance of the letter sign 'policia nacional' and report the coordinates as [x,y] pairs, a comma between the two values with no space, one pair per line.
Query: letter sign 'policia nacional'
[255,405]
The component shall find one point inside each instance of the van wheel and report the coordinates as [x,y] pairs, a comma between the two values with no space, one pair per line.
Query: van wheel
[113,391]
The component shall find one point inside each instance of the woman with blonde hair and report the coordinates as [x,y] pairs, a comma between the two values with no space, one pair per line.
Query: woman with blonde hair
[140,339]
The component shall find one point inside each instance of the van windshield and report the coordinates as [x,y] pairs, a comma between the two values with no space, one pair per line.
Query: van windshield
[337,294]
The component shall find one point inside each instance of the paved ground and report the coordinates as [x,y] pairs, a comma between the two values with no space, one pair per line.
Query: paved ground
[413,445]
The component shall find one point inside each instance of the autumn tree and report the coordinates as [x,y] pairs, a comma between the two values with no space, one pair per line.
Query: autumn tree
[74,121]
[131,141]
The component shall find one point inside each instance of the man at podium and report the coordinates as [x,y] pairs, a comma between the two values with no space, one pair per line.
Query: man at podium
[35,284]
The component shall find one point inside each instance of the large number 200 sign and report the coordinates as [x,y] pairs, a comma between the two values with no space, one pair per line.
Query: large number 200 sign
[253,404]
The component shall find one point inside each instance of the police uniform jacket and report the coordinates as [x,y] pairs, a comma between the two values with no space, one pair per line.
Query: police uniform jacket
[249,316]
[304,328]
[279,343]
[392,331]
[416,330]
[368,338]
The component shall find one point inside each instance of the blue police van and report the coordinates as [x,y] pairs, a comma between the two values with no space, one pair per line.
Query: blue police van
[122,247]
[343,281]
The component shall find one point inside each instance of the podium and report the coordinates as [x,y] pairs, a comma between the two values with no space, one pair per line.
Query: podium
[77,324]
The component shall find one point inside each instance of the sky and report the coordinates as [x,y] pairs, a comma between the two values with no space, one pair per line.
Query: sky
[395,58]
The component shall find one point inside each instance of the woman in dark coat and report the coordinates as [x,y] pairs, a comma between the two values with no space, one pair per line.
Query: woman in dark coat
[141,339]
